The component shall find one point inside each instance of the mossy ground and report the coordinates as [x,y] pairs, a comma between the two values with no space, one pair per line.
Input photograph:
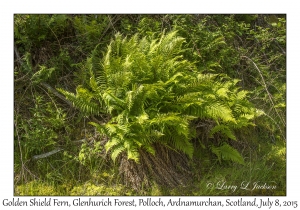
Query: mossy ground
[264,167]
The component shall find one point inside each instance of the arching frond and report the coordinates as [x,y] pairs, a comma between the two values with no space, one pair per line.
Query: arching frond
[84,102]
[152,94]
[224,129]
[226,152]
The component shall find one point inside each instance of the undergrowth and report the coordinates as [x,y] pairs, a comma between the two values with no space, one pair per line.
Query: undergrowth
[234,136]
[264,167]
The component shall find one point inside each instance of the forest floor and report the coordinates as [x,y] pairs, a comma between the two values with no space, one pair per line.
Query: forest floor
[264,173]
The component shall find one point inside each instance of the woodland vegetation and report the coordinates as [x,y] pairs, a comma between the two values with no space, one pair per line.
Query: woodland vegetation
[149,104]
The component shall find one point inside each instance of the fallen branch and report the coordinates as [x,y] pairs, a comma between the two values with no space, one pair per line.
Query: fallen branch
[52,90]
[36,157]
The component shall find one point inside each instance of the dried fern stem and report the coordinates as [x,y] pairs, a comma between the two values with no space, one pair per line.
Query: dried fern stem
[167,168]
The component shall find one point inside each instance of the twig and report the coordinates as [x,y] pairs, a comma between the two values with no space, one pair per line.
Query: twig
[19,60]
[112,24]
[276,42]
[17,54]
[20,148]
[269,95]
[36,157]
[55,37]
[52,90]
[108,26]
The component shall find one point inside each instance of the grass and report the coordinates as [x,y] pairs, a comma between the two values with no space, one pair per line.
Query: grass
[264,173]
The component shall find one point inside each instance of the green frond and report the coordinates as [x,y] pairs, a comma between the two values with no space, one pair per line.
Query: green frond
[95,59]
[224,129]
[116,151]
[112,143]
[94,85]
[149,149]
[100,128]
[226,152]
[83,101]
[133,154]
[241,94]
[135,100]
[259,112]
[142,118]
[132,149]
[112,101]
[173,130]
[185,146]
[152,94]
[216,110]
[168,118]
[117,130]
[222,92]
[42,75]
[155,134]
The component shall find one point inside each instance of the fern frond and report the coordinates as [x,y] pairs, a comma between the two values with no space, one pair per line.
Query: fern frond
[112,143]
[85,104]
[152,94]
[135,100]
[227,152]
[222,92]
[133,154]
[185,146]
[112,101]
[100,128]
[224,129]
[132,149]
[149,148]
[116,151]
[216,110]
[43,74]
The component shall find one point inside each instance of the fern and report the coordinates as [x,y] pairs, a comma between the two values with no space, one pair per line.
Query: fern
[224,129]
[226,152]
[43,74]
[83,102]
[152,94]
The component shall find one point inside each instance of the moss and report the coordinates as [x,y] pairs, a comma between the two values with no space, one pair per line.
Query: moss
[90,189]
[36,188]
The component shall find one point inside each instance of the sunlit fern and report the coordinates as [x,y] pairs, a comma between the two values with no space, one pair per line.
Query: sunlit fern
[152,94]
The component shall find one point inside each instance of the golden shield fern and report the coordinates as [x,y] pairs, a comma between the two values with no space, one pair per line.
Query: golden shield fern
[152,94]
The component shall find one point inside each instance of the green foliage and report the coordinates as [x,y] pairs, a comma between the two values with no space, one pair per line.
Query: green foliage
[220,43]
[148,26]
[204,84]
[90,189]
[36,188]
[89,30]
[31,32]
[152,94]
[43,74]
[40,133]
[261,166]
[90,157]
[226,152]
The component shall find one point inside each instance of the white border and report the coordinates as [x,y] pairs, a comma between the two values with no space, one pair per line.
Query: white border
[8,8]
